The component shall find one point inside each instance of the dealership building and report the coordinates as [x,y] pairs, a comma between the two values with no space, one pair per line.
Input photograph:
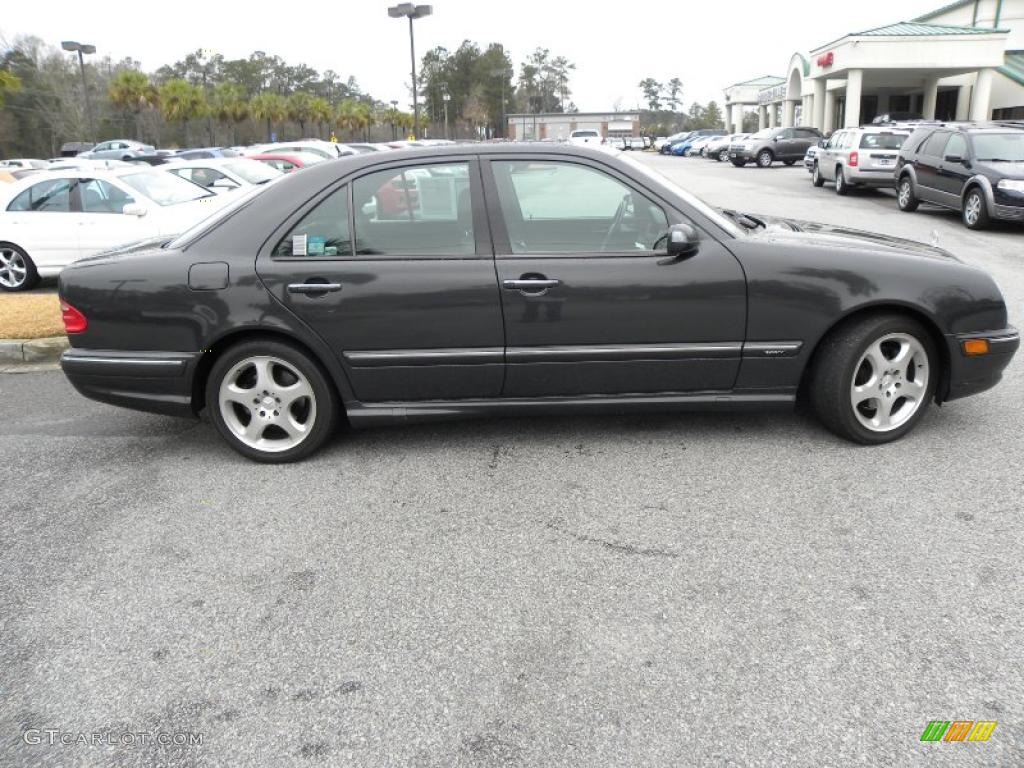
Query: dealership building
[558,125]
[964,61]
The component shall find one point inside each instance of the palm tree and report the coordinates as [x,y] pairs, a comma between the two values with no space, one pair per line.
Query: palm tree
[299,110]
[364,118]
[180,101]
[131,91]
[228,106]
[345,116]
[320,113]
[392,117]
[268,106]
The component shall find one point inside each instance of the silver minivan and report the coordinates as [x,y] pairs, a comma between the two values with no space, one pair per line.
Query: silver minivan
[859,157]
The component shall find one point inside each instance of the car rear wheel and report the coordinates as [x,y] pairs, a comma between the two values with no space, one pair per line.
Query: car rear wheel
[905,197]
[765,158]
[975,212]
[816,178]
[739,163]
[788,162]
[723,156]
[842,188]
[270,401]
[874,377]
[17,270]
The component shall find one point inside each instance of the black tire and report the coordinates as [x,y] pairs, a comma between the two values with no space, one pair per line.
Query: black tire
[11,280]
[842,187]
[722,156]
[980,219]
[788,162]
[325,399]
[834,368]
[816,178]
[739,163]
[765,158]
[906,200]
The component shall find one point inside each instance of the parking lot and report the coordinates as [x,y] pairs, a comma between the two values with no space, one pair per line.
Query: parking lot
[698,589]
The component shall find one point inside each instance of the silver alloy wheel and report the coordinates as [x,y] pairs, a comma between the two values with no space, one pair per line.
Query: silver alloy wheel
[890,382]
[13,270]
[267,403]
[904,193]
[972,209]
[764,159]
[723,155]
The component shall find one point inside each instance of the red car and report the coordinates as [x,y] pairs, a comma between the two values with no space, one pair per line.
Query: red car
[287,162]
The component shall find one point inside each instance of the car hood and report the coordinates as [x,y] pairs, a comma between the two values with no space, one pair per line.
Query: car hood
[835,236]
[1011,170]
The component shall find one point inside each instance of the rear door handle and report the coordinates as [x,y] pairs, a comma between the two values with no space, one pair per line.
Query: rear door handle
[530,284]
[308,288]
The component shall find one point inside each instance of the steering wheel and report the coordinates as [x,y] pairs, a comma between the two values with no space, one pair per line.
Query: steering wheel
[620,214]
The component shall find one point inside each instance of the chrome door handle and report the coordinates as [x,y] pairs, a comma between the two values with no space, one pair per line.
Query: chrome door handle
[314,287]
[535,284]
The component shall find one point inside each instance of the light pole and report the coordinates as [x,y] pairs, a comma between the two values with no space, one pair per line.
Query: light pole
[446,97]
[504,73]
[411,12]
[82,48]
[394,107]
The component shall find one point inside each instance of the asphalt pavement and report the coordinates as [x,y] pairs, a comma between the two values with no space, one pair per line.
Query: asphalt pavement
[664,590]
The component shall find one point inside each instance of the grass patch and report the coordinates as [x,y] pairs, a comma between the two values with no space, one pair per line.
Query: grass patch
[30,316]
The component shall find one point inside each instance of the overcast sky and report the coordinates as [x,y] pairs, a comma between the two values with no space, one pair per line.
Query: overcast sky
[614,45]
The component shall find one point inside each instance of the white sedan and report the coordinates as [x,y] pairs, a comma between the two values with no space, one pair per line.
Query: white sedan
[53,218]
[223,174]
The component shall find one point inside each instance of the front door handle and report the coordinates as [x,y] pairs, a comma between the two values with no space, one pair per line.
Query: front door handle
[308,288]
[530,284]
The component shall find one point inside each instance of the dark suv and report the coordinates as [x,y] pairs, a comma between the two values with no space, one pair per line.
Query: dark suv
[977,169]
[771,144]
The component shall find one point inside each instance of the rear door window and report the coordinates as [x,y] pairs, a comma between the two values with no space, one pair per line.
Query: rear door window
[323,233]
[53,196]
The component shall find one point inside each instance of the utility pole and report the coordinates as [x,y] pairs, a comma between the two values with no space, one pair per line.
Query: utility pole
[83,48]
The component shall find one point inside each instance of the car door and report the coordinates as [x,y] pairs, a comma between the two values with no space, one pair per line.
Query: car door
[926,168]
[803,139]
[41,221]
[98,210]
[828,154]
[591,303]
[409,300]
[954,170]
[782,146]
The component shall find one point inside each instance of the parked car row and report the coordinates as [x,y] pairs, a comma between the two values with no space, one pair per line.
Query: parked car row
[976,169]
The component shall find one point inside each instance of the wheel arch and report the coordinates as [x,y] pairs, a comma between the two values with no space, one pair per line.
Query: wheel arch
[856,314]
[201,375]
[982,183]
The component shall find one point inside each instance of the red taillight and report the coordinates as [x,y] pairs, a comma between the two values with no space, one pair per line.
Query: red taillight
[854,159]
[74,321]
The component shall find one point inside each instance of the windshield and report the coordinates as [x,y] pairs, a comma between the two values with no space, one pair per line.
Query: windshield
[253,171]
[164,188]
[1006,147]
[882,140]
[725,223]
[244,197]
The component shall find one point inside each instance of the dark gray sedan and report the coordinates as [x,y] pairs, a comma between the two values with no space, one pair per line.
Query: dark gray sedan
[520,279]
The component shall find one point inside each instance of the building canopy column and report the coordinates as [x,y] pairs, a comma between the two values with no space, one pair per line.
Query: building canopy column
[818,104]
[854,83]
[931,97]
[981,99]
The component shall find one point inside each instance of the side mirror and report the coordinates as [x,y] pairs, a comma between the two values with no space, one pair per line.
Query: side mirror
[134,209]
[954,159]
[683,241]
[822,143]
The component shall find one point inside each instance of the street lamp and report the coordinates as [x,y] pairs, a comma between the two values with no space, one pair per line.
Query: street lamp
[82,48]
[504,73]
[411,12]
[394,106]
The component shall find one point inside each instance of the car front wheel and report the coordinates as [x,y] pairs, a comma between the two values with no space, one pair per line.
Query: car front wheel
[17,270]
[270,401]
[723,156]
[975,212]
[816,178]
[765,158]
[905,197]
[739,163]
[788,162]
[873,378]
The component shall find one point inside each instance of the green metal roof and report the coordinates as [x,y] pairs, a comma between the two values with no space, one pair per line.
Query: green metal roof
[766,80]
[914,29]
[1013,66]
[944,9]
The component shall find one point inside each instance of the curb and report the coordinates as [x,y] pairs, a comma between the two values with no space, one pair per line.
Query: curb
[32,350]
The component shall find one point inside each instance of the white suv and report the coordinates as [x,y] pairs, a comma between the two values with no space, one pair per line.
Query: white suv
[584,137]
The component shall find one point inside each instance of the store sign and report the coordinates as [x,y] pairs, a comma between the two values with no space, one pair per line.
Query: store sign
[771,95]
[826,59]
